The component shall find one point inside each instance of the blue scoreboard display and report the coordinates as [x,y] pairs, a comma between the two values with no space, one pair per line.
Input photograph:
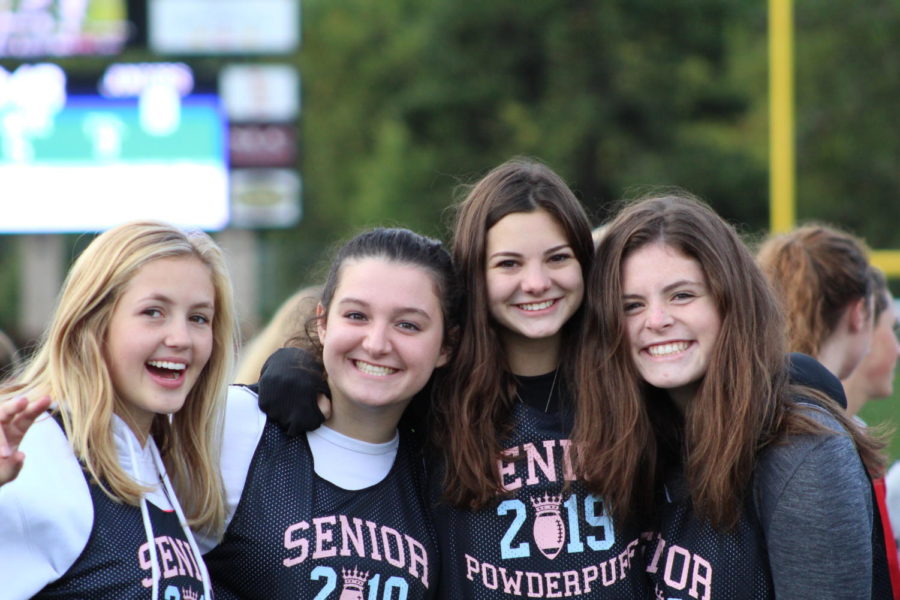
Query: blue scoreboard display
[71,163]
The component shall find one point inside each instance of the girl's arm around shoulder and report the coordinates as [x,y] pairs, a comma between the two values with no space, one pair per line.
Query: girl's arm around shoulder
[47,513]
[815,506]
[244,424]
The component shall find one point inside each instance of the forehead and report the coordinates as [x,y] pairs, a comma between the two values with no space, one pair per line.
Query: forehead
[525,230]
[183,277]
[659,262]
[386,283]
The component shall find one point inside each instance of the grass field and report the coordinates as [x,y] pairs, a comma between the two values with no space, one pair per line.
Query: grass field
[886,410]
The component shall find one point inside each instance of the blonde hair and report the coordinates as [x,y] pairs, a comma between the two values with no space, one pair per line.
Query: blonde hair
[290,317]
[70,367]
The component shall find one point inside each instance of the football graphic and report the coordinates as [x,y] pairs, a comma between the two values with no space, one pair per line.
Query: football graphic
[549,530]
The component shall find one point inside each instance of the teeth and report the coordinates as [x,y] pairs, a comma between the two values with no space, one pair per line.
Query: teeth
[370,369]
[164,364]
[666,349]
[537,305]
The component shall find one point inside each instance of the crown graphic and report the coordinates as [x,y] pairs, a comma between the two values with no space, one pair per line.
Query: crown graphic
[354,579]
[546,503]
[188,594]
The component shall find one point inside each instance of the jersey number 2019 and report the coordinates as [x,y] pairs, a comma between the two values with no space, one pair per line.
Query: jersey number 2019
[549,531]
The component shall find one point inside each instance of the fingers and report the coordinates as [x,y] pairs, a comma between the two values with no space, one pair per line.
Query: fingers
[10,467]
[11,408]
[35,409]
[8,412]
[16,416]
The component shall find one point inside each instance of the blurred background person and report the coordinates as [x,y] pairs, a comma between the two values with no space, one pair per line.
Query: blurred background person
[821,276]
[874,376]
[830,296]
[291,316]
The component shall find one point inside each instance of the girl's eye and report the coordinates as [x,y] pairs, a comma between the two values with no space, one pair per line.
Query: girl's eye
[562,257]
[152,312]
[355,316]
[408,326]
[506,264]
[630,307]
[682,296]
[201,319]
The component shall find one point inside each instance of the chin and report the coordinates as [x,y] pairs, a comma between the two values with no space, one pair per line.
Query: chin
[887,392]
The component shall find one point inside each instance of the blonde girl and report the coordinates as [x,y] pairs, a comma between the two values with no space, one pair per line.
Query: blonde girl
[136,359]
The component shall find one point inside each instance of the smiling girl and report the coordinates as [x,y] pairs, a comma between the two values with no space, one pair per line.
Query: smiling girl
[514,515]
[517,518]
[341,512]
[136,358]
[762,492]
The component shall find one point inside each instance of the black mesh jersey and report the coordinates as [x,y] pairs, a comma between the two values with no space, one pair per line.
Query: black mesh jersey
[295,535]
[688,559]
[544,540]
[116,565]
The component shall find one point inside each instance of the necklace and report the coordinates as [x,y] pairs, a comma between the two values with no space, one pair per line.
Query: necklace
[549,396]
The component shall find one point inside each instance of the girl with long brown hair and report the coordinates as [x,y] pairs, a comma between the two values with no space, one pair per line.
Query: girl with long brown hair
[516,518]
[763,490]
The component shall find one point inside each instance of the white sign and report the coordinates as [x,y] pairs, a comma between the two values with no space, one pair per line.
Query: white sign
[223,26]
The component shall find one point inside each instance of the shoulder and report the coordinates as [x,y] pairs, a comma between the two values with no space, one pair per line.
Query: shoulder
[244,422]
[807,371]
[814,503]
[244,425]
[47,513]
[242,408]
[805,470]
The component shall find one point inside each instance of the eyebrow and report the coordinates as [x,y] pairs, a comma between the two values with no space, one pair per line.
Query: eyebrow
[672,286]
[400,311]
[157,297]
[547,251]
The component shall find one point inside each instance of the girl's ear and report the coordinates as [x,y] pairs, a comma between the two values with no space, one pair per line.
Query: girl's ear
[448,347]
[858,314]
[320,321]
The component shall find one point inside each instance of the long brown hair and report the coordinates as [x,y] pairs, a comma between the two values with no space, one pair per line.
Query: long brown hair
[744,401]
[475,395]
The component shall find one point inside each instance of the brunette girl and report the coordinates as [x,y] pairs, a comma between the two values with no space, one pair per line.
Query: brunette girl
[341,511]
[136,358]
[763,486]
[516,517]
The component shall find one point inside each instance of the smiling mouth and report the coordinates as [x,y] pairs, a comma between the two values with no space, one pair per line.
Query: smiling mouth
[668,348]
[370,369]
[166,369]
[535,306]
